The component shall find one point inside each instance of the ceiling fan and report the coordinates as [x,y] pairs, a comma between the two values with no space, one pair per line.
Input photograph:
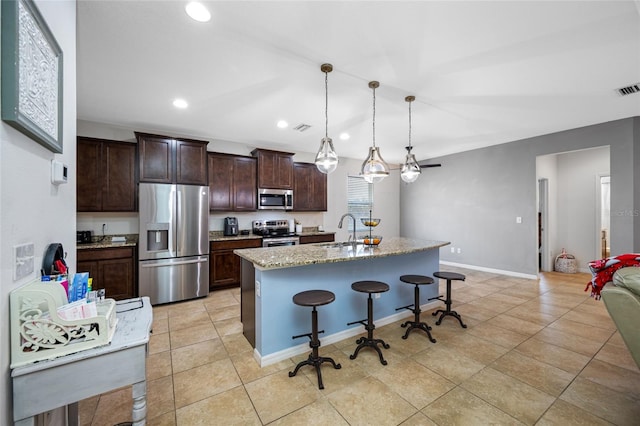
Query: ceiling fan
[425,166]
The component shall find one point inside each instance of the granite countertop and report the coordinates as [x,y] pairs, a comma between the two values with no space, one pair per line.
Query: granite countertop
[308,254]
[105,242]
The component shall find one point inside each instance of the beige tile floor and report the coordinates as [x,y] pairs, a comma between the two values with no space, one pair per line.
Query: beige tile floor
[535,352]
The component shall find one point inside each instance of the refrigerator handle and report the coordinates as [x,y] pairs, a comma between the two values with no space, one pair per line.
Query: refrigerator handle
[175,222]
[182,262]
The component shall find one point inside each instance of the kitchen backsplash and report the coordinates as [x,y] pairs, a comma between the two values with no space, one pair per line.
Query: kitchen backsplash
[127,223]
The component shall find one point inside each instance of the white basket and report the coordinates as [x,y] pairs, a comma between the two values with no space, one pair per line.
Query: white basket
[567,265]
[37,333]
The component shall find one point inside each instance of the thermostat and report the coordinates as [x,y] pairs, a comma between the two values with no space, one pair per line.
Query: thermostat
[58,172]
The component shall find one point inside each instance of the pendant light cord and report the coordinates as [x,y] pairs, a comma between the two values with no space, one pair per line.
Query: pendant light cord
[409,126]
[326,104]
[374,117]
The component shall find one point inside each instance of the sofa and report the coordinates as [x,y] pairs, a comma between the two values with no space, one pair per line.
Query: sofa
[622,299]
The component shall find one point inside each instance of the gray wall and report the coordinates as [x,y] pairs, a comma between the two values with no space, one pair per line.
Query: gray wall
[474,198]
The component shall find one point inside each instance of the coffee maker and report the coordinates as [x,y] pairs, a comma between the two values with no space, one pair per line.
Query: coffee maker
[230,226]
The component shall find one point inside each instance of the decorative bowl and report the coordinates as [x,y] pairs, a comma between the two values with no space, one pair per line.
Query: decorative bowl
[369,222]
[372,240]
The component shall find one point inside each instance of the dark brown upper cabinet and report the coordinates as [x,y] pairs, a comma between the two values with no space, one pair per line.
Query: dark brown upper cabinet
[310,188]
[232,183]
[163,159]
[105,175]
[275,169]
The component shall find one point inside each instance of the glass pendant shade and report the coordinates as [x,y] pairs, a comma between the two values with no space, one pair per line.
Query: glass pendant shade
[410,169]
[327,159]
[374,168]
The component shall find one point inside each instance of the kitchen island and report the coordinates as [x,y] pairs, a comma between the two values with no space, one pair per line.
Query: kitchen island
[272,276]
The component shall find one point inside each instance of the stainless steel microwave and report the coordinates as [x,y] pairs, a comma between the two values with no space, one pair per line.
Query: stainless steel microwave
[275,199]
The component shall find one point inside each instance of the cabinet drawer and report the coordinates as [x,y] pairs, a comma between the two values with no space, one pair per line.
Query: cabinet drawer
[236,244]
[105,253]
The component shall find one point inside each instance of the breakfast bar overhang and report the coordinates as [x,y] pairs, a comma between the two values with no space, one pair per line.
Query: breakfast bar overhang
[272,276]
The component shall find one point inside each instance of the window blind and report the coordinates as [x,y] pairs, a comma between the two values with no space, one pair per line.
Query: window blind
[359,200]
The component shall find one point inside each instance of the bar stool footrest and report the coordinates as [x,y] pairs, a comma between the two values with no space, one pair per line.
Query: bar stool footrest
[409,307]
[363,322]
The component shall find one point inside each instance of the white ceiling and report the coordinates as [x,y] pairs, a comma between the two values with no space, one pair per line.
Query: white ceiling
[483,73]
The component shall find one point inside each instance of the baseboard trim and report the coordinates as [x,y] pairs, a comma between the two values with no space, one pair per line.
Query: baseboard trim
[492,270]
[266,360]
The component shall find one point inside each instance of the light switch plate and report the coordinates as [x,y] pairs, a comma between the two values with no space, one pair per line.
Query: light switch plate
[23,260]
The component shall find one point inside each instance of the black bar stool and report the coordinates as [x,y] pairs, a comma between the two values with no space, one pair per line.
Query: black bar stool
[449,276]
[369,287]
[314,298]
[417,280]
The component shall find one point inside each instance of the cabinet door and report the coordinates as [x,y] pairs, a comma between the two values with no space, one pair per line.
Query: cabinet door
[191,162]
[302,187]
[116,276]
[118,174]
[318,198]
[221,182]
[224,269]
[310,188]
[88,181]
[224,266]
[285,171]
[155,158]
[275,169]
[92,268]
[245,184]
[113,269]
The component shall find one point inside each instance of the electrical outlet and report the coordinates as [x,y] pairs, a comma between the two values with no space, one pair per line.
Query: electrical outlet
[376,295]
[23,260]
[458,250]
[518,219]
[453,250]
[257,288]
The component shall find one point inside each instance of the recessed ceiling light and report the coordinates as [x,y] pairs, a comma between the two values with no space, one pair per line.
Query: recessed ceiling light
[180,103]
[344,136]
[282,124]
[197,11]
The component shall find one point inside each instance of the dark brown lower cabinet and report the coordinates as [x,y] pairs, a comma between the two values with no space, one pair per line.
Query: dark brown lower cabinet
[224,266]
[113,269]
[318,238]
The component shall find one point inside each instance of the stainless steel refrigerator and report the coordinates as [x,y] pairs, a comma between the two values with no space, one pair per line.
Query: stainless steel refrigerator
[173,242]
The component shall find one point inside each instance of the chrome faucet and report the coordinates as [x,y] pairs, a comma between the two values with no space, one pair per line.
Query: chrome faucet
[354,226]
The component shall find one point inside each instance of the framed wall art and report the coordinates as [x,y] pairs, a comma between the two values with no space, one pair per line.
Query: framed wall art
[31,74]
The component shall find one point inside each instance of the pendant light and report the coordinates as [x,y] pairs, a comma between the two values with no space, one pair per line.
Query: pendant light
[326,159]
[410,169]
[374,168]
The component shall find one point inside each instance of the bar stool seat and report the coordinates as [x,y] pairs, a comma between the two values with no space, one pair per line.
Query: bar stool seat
[417,280]
[369,287]
[449,276]
[314,298]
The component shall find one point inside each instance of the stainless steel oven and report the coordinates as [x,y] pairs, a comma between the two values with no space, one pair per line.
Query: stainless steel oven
[280,241]
[275,233]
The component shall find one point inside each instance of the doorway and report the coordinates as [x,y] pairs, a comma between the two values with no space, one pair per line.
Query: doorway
[603,215]
[543,220]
